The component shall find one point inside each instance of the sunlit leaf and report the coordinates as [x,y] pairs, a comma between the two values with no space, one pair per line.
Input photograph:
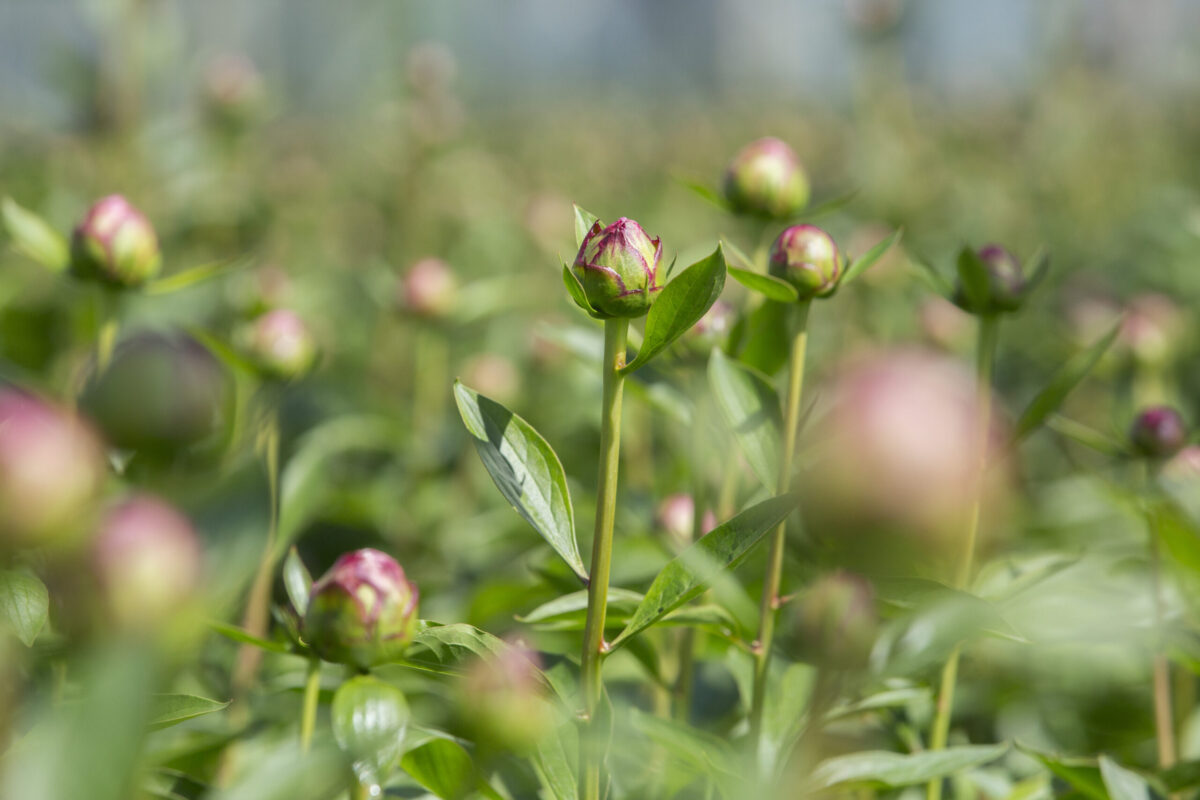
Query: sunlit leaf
[171,709]
[24,604]
[894,770]
[34,237]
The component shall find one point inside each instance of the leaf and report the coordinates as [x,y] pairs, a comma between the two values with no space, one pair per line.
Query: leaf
[750,407]
[575,602]
[765,343]
[34,237]
[974,280]
[931,277]
[575,289]
[894,770]
[369,719]
[831,205]
[703,191]
[1082,774]
[443,767]
[171,709]
[766,285]
[1037,268]
[553,765]
[680,305]
[584,220]
[240,636]
[525,469]
[1121,783]
[704,753]
[24,604]
[193,275]
[868,259]
[297,582]
[1064,381]
[284,773]
[688,575]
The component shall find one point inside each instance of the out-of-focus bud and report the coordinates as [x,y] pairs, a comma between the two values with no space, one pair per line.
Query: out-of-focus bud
[766,179]
[1158,432]
[162,394]
[429,288]
[807,258]
[492,375]
[1152,329]
[146,559]
[943,323]
[676,516]
[618,267]
[363,611]
[837,621]
[115,244]
[1006,282]
[233,91]
[874,17]
[1090,312]
[504,702]
[430,68]
[51,471]
[281,344]
[713,327]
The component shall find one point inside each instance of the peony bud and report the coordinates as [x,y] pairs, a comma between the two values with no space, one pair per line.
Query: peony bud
[146,558]
[281,344]
[503,700]
[115,244]
[837,621]
[713,328]
[676,516]
[618,267]
[1153,328]
[1006,282]
[233,91]
[765,179]
[51,471]
[363,611]
[162,393]
[807,258]
[429,288]
[1158,432]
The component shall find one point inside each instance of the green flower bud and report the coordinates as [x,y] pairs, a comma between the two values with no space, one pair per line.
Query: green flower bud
[115,244]
[1158,432]
[363,611]
[806,257]
[765,179]
[618,267]
[837,621]
[282,345]
[1006,282]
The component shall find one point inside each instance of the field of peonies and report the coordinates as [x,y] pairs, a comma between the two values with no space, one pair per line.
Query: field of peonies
[784,451]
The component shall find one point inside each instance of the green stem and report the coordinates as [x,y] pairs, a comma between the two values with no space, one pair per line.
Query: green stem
[1164,726]
[985,361]
[312,695]
[615,333]
[770,595]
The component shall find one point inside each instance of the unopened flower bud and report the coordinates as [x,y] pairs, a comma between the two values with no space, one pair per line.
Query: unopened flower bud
[147,559]
[676,516]
[1158,432]
[115,244]
[282,345]
[713,327]
[837,621]
[51,471]
[807,258]
[363,611]
[618,267]
[504,702]
[161,394]
[1006,282]
[1152,328]
[429,288]
[233,91]
[766,179]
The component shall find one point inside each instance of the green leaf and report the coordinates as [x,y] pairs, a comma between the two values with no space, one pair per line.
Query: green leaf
[931,277]
[1037,269]
[765,343]
[24,604]
[1081,773]
[1064,381]
[829,206]
[575,289]
[680,305]
[701,752]
[689,574]
[766,285]
[894,770]
[750,407]
[553,764]
[297,582]
[867,260]
[445,768]
[973,277]
[171,709]
[284,773]
[34,237]
[369,720]
[584,220]
[1184,775]
[525,469]
[570,605]
[193,275]
[703,191]
[1121,783]
[240,636]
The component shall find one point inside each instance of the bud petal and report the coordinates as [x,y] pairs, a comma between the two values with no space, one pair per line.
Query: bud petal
[806,257]
[115,244]
[618,267]
[765,179]
[1158,432]
[282,345]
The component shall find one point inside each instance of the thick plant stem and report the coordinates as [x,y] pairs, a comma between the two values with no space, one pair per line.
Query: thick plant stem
[1164,725]
[985,360]
[770,595]
[615,334]
[312,695]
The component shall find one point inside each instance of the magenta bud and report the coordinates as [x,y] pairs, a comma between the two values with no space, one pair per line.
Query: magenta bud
[766,179]
[1158,433]
[807,258]
[363,611]
[1006,281]
[837,620]
[115,244]
[504,702]
[52,469]
[429,288]
[618,267]
[147,562]
[281,344]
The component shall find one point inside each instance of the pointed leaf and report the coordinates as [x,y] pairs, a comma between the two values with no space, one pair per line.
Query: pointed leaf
[894,770]
[443,767]
[34,237]
[973,278]
[932,278]
[680,305]
[584,220]
[369,719]
[1036,271]
[1064,381]
[297,582]
[750,407]
[765,342]
[553,765]
[171,709]
[525,469]
[689,574]
[829,206]
[24,604]
[240,636]
[570,604]
[868,259]
[1082,774]
[703,191]
[575,290]
[193,275]
[766,285]
[1121,783]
